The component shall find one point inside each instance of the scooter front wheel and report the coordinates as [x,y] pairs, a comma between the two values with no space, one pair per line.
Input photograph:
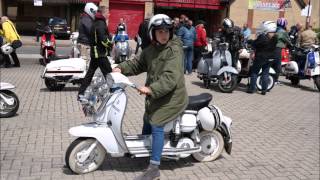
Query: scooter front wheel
[212,145]
[317,81]
[78,148]
[7,110]
[227,85]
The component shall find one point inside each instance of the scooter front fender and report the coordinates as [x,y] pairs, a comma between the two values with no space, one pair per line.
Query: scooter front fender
[101,133]
[227,69]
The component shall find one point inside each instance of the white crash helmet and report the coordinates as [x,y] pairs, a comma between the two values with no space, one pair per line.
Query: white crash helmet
[227,23]
[6,49]
[91,9]
[269,26]
[160,21]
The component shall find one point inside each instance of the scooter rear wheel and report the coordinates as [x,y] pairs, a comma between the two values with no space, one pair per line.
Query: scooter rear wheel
[94,160]
[212,145]
[52,85]
[270,83]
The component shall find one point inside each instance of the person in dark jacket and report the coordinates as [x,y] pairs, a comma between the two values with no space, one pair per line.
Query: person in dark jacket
[265,46]
[232,35]
[100,42]
[143,33]
[86,21]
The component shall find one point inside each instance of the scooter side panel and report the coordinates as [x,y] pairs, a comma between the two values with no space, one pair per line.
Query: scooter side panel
[103,134]
[227,69]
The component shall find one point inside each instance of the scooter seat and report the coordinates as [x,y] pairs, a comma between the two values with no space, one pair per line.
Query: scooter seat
[199,101]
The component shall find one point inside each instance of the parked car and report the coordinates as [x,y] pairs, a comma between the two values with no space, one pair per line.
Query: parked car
[59,27]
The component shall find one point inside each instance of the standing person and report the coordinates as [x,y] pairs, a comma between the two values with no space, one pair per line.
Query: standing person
[86,21]
[264,46]
[121,26]
[246,32]
[295,32]
[11,36]
[166,94]
[307,38]
[188,36]
[143,33]
[283,42]
[232,35]
[99,44]
[200,42]
[176,25]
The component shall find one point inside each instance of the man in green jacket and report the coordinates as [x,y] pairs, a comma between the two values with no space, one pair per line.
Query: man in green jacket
[166,94]
[283,42]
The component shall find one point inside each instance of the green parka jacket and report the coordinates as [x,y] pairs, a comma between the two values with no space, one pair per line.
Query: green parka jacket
[283,38]
[165,78]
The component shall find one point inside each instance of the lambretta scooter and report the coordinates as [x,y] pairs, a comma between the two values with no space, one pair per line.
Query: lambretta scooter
[218,69]
[122,50]
[305,64]
[246,58]
[201,130]
[9,101]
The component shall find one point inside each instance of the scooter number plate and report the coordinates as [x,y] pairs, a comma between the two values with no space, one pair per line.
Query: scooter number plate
[308,72]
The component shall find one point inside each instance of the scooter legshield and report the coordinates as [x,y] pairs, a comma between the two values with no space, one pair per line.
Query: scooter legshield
[103,134]
[203,66]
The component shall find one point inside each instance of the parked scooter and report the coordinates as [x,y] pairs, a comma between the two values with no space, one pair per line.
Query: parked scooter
[245,62]
[201,130]
[9,101]
[58,73]
[305,64]
[47,46]
[218,69]
[122,50]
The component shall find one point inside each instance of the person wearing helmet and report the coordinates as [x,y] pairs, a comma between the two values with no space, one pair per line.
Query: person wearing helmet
[233,36]
[99,45]
[86,21]
[283,42]
[11,36]
[264,47]
[166,94]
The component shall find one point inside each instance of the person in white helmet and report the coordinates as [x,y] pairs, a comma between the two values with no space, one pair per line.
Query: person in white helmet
[85,25]
[166,94]
[265,48]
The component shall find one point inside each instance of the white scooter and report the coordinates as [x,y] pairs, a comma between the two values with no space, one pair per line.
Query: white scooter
[243,67]
[9,101]
[201,130]
[218,68]
[304,66]
[71,70]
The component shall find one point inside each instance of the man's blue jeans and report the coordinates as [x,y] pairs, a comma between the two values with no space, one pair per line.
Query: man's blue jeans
[157,141]
[257,65]
[188,56]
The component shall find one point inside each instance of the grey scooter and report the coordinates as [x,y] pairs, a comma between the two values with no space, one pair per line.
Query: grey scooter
[218,69]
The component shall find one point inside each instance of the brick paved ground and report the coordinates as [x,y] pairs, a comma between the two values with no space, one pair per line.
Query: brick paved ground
[274,136]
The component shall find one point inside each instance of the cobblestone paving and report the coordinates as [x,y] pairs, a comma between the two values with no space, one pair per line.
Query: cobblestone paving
[274,136]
